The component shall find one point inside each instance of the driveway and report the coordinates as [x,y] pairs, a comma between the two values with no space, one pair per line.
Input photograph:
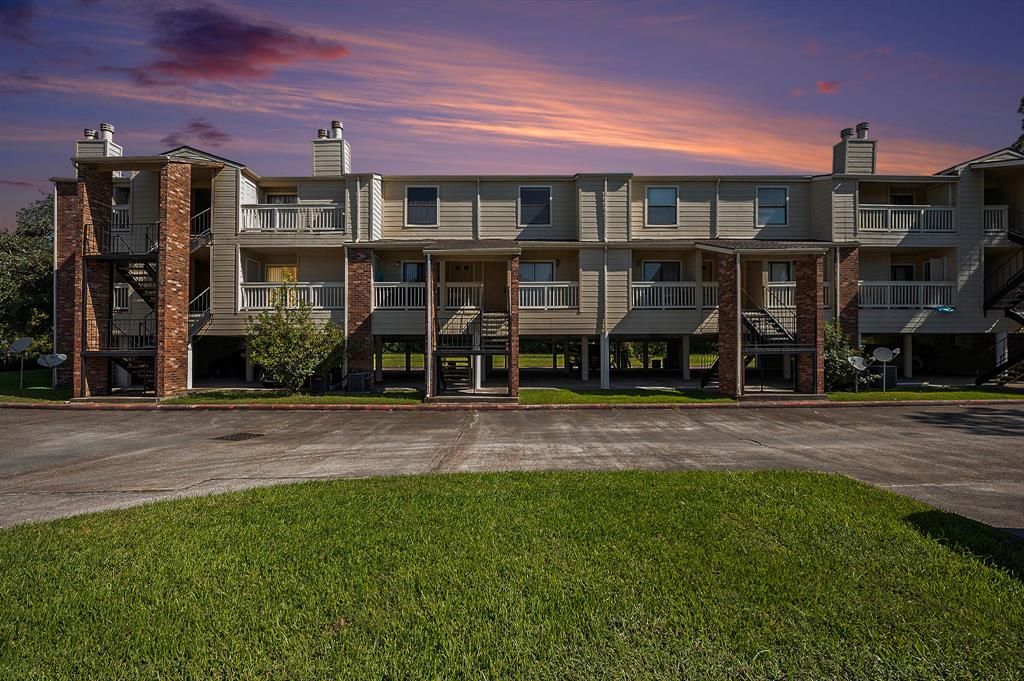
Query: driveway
[969,460]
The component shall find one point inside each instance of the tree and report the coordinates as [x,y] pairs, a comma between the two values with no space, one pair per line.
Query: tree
[289,344]
[26,275]
[1019,144]
[839,373]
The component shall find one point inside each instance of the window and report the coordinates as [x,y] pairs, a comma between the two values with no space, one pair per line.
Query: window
[901,199]
[537,271]
[661,206]
[534,206]
[656,270]
[772,206]
[122,195]
[421,206]
[282,198]
[780,272]
[282,273]
[414,271]
[901,272]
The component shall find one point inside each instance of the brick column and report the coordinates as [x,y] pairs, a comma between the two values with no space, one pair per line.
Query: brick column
[810,369]
[95,189]
[68,303]
[848,279]
[729,350]
[359,311]
[172,280]
[430,332]
[513,327]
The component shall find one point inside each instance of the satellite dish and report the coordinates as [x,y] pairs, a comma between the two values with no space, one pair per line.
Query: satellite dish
[883,355]
[858,362]
[21,345]
[50,361]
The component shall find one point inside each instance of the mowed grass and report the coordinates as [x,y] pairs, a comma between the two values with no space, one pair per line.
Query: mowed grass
[930,393]
[397,396]
[618,396]
[37,387]
[702,575]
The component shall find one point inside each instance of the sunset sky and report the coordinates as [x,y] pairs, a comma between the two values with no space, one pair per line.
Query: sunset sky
[508,87]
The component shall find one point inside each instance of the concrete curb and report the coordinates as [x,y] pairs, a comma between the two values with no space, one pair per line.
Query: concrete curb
[774,404]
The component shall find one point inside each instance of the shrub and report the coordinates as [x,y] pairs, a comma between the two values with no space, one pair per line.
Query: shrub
[289,344]
[839,373]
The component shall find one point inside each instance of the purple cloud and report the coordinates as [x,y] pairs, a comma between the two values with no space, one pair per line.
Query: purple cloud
[197,129]
[15,17]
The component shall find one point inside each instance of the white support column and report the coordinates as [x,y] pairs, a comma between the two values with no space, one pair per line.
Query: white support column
[684,356]
[478,361]
[378,351]
[188,375]
[606,379]
[908,355]
[565,354]
[584,359]
[1002,347]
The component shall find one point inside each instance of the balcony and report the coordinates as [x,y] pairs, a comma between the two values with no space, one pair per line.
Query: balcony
[709,295]
[463,294]
[318,295]
[663,295]
[291,218]
[549,295]
[126,334]
[906,295]
[905,219]
[125,239]
[399,295]
[781,295]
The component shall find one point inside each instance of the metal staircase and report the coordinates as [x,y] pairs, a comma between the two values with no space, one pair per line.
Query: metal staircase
[772,327]
[1004,286]
[494,332]
[142,277]
[455,373]
[139,368]
[199,312]
[200,229]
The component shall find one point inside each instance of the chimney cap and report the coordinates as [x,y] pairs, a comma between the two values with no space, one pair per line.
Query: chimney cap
[89,134]
[336,124]
[107,127]
[863,125]
[862,130]
[321,133]
[846,133]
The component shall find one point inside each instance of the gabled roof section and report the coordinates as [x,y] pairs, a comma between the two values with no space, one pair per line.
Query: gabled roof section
[1004,154]
[191,152]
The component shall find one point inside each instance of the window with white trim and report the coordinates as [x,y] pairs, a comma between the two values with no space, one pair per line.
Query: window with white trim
[772,206]
[661,270]
[780,272]
[537,271]
[421,206]
[534,206]
[662,206]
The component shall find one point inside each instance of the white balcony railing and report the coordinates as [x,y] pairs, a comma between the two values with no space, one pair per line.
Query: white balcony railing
[121,293]
[780,294]
[549,295]
[664,295]
[709,295]
[995,219]
[906,295]
[291,218]
[884,218]
[120,217]
[463,294]
[398,295]
[324,295]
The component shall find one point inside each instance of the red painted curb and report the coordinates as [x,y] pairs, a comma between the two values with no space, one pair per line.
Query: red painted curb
[773,404]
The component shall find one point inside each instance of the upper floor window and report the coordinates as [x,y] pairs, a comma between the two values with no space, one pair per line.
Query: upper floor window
[414,271]
[772,206]
[662,206]
[780,272]
[421,206]
[661,270]
[537,271]
[122,195]
[534,206]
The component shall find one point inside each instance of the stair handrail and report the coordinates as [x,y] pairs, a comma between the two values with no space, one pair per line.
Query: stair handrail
[756,307]
[200,303]
[986,369]
[997,280]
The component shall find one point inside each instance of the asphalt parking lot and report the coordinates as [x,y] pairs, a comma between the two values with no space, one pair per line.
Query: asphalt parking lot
[965,459]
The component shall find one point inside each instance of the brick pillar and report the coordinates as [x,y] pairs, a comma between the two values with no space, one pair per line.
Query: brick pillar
[172,280]
[68,303]
[848,279]
[430,332]
[810,369]
[729,350]
[359,309]
[95,189]
[513,327]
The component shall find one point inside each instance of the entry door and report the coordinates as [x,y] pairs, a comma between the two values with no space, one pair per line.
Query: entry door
[495,286]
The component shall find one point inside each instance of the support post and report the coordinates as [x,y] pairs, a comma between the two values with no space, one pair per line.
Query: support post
[188,378]
[1002,348]
[606,379]
[565,354]
[908,355]
[584,359]
[684,356]
[378,359]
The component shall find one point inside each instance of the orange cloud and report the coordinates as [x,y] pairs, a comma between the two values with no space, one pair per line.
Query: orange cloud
[828,87]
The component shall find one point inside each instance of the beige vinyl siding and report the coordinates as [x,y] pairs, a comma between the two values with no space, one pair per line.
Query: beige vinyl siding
[499,211]
[558,322]
[736,211]
[821,209]
[327,157]
[693,215]
[591,260]
[590,208]
[860,157]
[618,208]
[844,210]
[617,291]
[455,210]
[145,197]
[399,323]
[321,192]
[223,259]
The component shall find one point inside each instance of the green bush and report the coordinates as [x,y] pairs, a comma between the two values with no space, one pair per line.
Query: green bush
[290,345]
[839,373]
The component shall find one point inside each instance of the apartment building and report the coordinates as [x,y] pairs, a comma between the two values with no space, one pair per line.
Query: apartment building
[160,261]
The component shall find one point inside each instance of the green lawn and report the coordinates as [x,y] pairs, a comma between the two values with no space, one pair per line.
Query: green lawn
[37,387]
[558,575]
[926,393]
[403,396]
[616,396]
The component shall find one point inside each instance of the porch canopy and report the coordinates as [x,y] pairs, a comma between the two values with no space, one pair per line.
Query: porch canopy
[764,246]
[477,248]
